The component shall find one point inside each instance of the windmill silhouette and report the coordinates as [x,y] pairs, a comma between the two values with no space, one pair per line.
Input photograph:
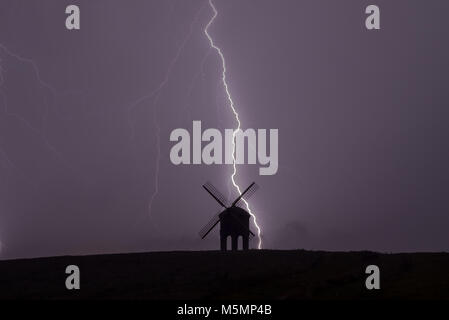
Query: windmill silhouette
[234,220]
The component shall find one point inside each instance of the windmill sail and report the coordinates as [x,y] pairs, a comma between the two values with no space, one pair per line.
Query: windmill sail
[251,189]
[209,226]
[246,195]
[217,195]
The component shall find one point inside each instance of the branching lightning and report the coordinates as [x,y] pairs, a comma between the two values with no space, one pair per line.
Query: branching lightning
[236,115]
[194,80]
[42,84]
[154,96]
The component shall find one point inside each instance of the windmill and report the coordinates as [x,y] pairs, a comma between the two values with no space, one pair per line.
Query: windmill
[234,220]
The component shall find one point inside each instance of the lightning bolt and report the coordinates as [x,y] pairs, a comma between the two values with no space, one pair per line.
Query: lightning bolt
[154,96]
[42,83]
[39,132]
[194,82]
[234,111]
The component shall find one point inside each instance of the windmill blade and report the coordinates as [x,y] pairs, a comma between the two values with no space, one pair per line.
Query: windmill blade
[217,195]
[209,226]
[247,193]
[210,229]
[240,203]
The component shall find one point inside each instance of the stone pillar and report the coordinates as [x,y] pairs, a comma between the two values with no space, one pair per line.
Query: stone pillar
[223,243]
[245,240]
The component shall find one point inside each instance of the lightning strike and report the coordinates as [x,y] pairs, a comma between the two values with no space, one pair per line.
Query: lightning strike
[154,95]
[193,83]
[42,84]
[234,111]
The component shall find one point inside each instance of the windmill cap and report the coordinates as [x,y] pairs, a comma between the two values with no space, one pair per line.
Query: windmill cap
[235,210]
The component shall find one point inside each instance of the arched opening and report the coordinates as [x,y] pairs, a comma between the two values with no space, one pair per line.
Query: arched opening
[228,243]
[240,243]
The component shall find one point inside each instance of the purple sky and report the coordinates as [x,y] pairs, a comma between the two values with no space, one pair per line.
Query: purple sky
[362,118]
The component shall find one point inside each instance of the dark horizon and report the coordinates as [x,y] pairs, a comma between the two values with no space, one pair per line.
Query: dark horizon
[362,118]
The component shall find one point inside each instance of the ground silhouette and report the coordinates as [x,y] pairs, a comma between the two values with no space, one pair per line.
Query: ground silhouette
[215,275]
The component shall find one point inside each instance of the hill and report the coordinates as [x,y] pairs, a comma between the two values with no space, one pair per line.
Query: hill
[214,275]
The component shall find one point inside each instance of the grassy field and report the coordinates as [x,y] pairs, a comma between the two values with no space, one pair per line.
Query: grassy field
[214,275]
